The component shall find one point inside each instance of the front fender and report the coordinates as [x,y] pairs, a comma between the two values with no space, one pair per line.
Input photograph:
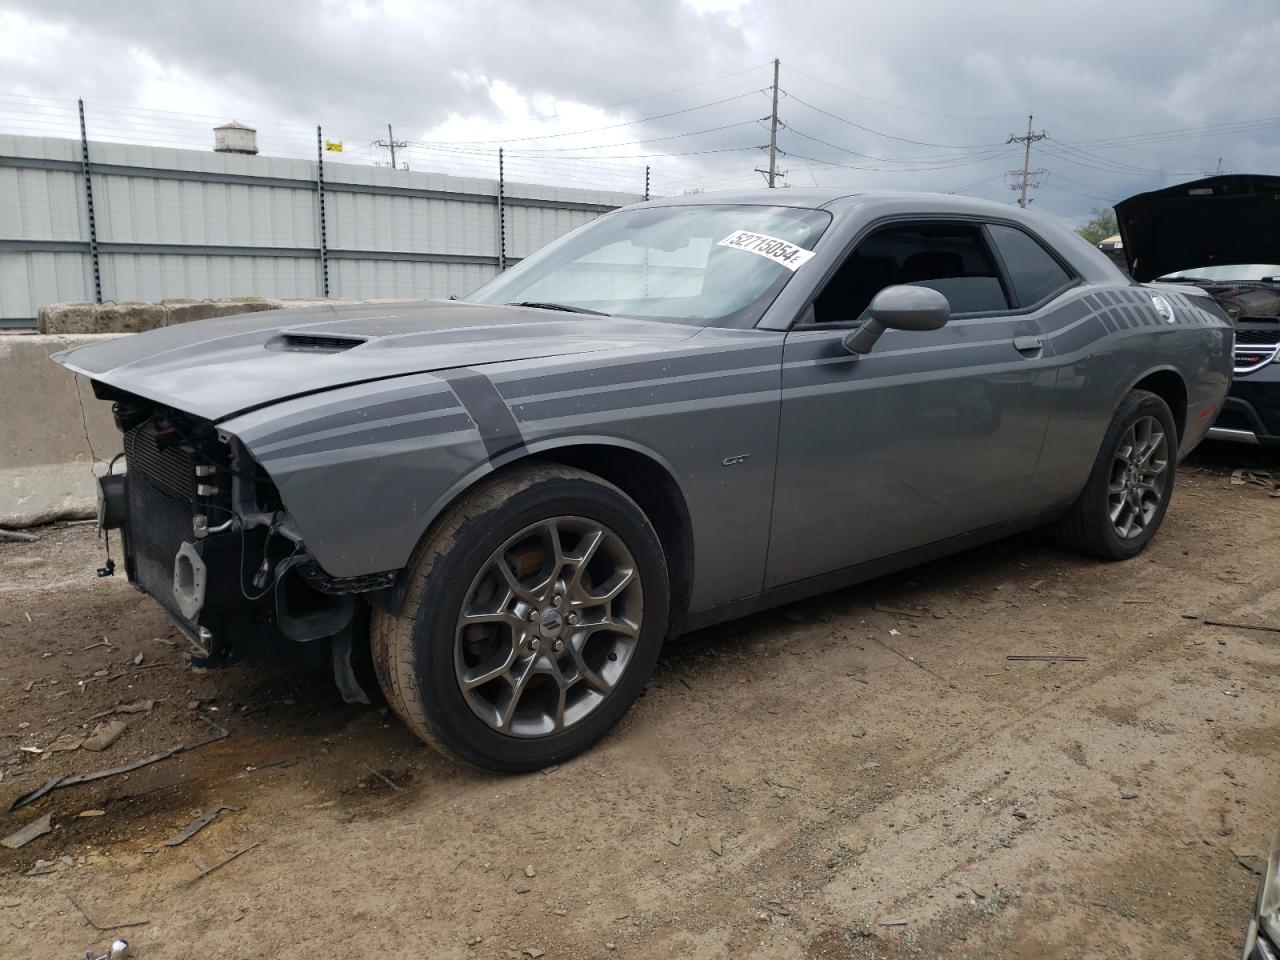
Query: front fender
[364,469]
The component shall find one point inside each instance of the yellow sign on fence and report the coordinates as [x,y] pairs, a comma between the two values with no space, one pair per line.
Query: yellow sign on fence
[334,145]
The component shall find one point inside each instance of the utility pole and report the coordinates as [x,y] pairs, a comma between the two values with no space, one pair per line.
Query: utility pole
[391,143]
[773,128]
[773,172]
[646,183]
[1025,173]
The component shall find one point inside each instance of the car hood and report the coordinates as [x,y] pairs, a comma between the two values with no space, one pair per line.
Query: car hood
[224,366]
[1218,220]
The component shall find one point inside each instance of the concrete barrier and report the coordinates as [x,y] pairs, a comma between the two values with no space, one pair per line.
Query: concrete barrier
[53,432]
[134,317]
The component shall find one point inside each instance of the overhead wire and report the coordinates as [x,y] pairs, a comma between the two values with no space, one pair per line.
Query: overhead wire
[612,126]
[937,162]
[897,106]
[625,143]
[889,136]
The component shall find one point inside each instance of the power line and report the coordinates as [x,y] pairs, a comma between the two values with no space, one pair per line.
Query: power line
[1088,186]
[1184,133]
[1053,124]
[634,143]
[1050,185]
[889,136]
[924,162]
[612,126]
[649,96]
[1054,149]
[975,183]
[1111,163]
[895,106]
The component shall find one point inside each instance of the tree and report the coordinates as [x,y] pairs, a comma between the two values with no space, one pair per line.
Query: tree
[1100,225]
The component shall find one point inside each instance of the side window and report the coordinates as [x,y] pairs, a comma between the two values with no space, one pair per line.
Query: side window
[1035,274]
[949,257]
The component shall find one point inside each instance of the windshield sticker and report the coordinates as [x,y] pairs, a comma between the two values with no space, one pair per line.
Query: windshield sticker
[763,245]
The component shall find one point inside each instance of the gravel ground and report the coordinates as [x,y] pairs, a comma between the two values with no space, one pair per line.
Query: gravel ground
[862,775]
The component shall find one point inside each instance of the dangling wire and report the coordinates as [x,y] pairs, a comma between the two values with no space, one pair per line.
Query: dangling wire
[109,568]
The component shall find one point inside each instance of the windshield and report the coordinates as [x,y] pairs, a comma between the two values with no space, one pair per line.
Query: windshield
[717,264]
[1227,272]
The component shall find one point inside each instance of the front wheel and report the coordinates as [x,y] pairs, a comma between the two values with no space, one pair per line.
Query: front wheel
[1128,491]
[534,615]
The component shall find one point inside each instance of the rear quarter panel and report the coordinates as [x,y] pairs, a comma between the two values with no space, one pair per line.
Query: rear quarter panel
[1107,346]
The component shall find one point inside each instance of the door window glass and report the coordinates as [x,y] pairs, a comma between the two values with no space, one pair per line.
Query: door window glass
[1035,275]
[951,258]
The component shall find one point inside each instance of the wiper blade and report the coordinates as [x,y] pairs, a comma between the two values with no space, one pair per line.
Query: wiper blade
[555,306]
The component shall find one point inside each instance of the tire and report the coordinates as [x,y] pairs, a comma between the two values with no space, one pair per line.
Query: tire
[1090,526]
[424,656]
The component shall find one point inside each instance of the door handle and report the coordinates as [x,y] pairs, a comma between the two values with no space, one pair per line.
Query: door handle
[1028,345]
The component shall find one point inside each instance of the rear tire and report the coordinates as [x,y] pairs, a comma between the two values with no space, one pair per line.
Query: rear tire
[1129,488]
[508,586]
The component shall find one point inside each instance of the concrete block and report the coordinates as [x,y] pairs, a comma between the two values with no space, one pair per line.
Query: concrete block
[184,311]
[52,434]
[124,317]
[51,491]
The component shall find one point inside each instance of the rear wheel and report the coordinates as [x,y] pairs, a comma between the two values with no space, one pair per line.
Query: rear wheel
[533,617]
[1128,491]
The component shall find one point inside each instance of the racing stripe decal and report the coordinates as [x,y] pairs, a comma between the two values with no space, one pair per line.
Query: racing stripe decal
[477,394]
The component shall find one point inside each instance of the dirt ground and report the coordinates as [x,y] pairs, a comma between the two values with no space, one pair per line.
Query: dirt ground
[787,787]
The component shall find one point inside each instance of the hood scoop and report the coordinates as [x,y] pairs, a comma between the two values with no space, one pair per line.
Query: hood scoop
[313,342]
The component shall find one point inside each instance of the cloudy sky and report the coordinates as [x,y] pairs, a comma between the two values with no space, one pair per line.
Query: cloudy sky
[907,94]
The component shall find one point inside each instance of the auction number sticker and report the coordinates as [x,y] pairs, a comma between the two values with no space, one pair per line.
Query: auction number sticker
[771,248]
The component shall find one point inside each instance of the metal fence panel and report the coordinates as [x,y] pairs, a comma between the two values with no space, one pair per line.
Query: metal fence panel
[195,224]
[30,280]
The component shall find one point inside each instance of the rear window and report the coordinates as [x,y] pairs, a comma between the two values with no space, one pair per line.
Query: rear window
[1035,274]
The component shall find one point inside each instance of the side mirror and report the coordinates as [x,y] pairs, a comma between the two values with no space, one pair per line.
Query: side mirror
[899,308]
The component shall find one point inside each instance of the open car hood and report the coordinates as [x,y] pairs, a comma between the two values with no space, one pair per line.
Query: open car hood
[224,366]
[1218,220]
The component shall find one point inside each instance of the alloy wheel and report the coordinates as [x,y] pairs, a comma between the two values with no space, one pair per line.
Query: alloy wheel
[1139,477]
[548,627]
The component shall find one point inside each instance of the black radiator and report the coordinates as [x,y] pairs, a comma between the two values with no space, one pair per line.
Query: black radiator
[161,494]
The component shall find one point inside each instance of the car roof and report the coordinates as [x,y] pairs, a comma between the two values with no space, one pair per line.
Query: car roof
[807,197]
[830,197]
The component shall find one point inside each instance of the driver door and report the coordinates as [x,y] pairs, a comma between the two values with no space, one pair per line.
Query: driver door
[930,435]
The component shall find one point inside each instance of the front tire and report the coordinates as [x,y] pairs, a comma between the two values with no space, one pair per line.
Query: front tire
[1129,488]
[534,614]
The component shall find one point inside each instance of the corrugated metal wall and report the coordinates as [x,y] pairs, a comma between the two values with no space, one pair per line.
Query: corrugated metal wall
[187,223]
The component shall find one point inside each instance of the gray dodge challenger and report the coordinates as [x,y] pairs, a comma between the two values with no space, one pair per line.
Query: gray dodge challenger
[686,411]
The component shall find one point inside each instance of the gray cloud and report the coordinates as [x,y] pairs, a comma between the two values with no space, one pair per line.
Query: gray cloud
[969,72]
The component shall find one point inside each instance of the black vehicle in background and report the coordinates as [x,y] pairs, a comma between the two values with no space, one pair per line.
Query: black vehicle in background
[1221,234]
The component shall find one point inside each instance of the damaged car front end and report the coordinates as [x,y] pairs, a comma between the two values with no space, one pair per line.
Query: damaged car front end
[277,469]
[214,544]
